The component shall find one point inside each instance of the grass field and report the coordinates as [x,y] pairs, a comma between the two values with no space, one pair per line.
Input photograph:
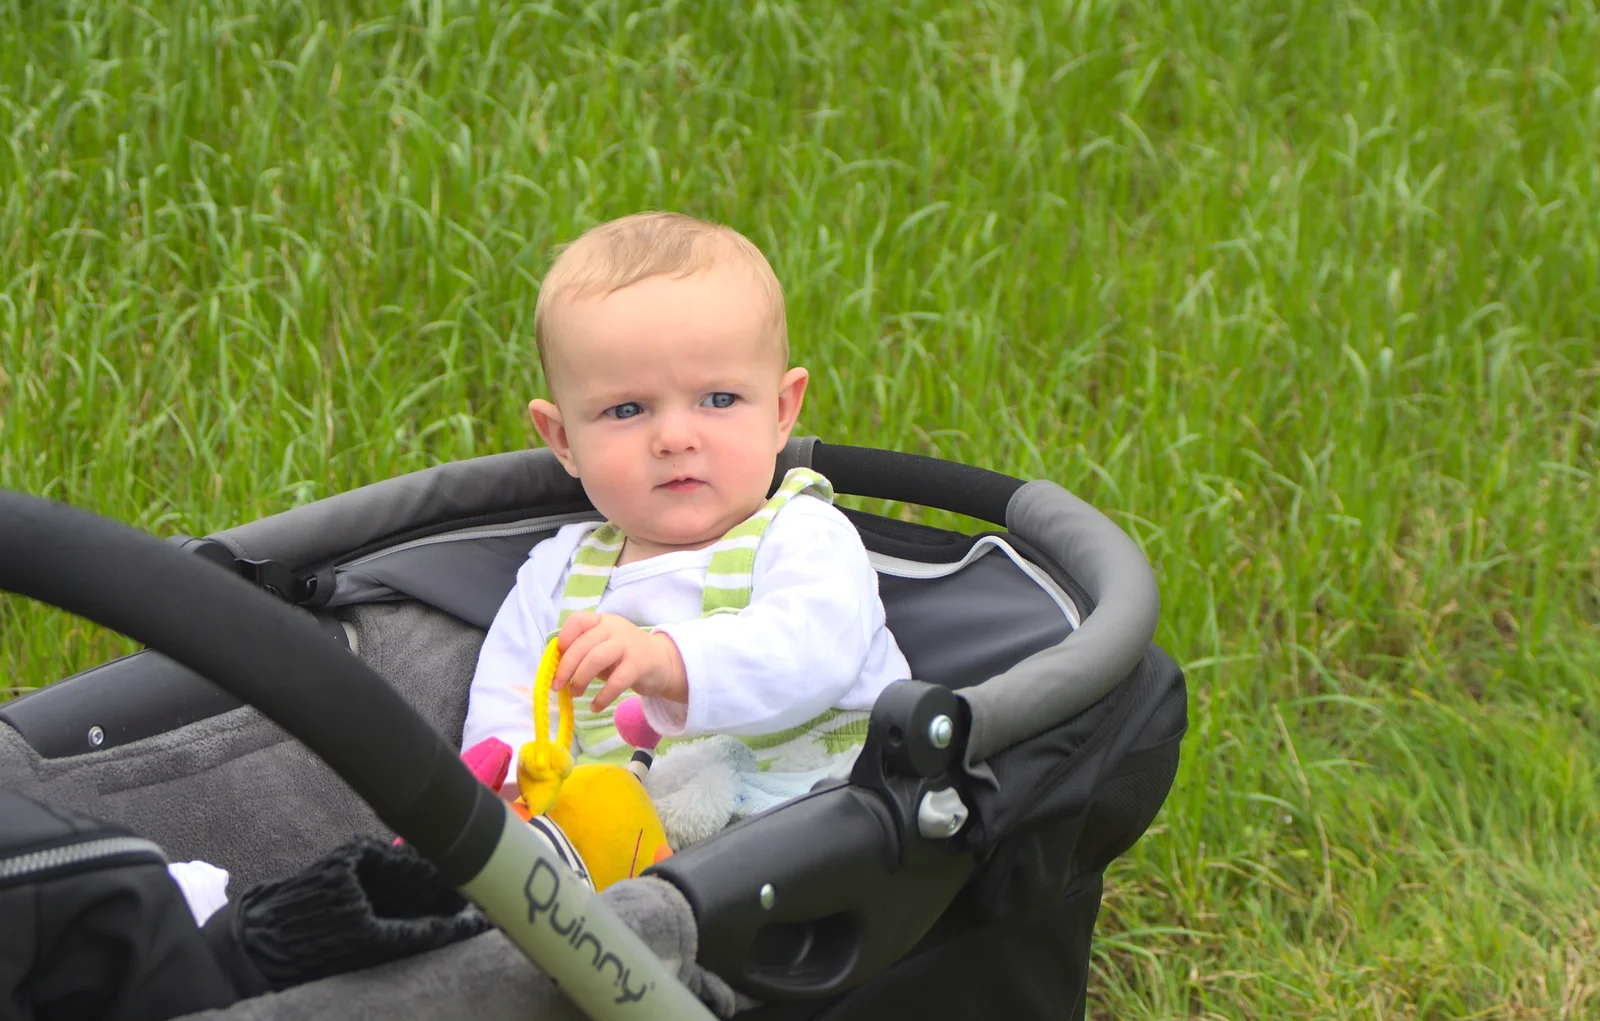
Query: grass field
[1305,295]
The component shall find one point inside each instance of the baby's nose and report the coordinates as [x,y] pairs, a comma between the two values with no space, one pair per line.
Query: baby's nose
[674,433]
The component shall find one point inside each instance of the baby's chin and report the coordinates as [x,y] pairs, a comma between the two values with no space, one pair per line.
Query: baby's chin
[691,535]
[669,541]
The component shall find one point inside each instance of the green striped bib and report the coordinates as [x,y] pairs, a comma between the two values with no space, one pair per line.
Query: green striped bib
[728,587]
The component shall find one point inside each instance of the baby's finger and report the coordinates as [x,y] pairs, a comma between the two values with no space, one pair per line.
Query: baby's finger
[573,654]
[621,678]
[595,664]
[576,624]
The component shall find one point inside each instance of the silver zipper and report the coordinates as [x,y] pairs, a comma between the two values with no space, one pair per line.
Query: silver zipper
[48,860]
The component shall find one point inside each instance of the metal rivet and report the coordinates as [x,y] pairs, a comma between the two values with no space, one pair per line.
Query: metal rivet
[768,896]
[97,737]
[940,731]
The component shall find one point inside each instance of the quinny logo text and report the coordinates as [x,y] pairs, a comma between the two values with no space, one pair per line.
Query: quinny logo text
[543,891]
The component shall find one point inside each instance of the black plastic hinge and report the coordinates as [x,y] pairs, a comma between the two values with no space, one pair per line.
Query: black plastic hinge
[916,740]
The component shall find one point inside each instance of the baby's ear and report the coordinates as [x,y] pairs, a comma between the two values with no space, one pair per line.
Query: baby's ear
[547,421]
[791,395]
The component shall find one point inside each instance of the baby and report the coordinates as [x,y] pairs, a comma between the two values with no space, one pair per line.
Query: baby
[665,350]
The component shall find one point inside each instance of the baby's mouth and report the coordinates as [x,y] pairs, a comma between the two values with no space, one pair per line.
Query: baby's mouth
[685,485]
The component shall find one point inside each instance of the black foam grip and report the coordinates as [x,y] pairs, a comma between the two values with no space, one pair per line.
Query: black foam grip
[913,478]
[265,653]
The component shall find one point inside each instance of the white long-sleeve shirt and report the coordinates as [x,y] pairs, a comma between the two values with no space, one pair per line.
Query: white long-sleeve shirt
[812,638]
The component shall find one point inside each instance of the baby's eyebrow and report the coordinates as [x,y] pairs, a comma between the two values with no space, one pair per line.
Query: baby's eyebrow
[608,396]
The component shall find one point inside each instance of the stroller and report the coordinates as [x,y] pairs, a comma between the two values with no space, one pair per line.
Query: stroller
[957,874]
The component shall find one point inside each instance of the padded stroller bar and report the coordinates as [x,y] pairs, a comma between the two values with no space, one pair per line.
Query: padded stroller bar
[1057,683]
[498,488]
[913,478]
[492,489]
[276,658]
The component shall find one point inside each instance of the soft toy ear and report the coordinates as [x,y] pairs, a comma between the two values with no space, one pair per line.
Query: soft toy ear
[488,760]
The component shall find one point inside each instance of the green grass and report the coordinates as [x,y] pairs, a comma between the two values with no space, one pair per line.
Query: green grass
[1305,295]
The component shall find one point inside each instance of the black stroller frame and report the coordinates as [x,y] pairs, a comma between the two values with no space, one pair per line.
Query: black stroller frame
[957,874]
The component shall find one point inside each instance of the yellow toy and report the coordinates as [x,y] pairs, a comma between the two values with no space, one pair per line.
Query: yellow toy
[603,809]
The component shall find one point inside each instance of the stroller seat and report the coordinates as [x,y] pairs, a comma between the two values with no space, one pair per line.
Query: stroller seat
[1064,763]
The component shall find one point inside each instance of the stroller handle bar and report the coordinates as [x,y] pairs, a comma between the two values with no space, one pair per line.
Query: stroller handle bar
[275,658]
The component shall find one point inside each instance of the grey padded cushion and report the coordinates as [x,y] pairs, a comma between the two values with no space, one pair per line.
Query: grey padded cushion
[234,789]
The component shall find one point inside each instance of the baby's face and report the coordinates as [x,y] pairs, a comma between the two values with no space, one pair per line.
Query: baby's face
[671,404]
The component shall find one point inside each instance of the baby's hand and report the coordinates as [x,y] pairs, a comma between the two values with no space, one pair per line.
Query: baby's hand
[603,645]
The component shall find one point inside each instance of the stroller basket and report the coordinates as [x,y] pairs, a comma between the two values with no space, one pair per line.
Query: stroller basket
[958,873]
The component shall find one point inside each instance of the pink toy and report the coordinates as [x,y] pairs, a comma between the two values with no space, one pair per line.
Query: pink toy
[632,727]
[489,760]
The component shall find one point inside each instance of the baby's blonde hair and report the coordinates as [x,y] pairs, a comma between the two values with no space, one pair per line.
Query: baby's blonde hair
[609,257]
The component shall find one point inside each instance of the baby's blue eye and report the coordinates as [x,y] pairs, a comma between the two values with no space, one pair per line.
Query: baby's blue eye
[721,399]
[627,409]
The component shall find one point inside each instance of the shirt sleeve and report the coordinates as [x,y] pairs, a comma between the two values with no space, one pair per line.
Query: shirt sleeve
[799,646]
[500,701]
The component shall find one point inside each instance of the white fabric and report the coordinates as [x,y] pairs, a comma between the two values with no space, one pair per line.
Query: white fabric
[204,887]
[812,638]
